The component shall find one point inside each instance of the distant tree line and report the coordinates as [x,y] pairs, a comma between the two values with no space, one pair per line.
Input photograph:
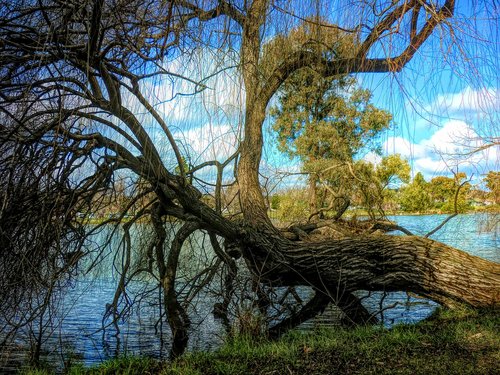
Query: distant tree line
[372,188]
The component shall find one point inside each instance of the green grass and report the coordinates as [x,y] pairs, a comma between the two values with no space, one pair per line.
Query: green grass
[458,342]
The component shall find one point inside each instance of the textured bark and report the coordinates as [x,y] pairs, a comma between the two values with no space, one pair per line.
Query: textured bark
[364,262]
[251,199]
[381,263]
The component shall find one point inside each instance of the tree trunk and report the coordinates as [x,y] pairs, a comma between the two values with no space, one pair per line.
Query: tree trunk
[380,263]
[313,198]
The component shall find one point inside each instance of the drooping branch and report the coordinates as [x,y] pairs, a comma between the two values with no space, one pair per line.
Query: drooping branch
[137,92]
[221,309]
[177,316]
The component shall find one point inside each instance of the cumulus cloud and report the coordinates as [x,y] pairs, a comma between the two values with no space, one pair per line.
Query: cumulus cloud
[455,146]
[213,89]
[373,158]
[468,100]
[400,145]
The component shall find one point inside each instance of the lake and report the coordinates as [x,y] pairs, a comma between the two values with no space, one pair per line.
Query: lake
[79,335]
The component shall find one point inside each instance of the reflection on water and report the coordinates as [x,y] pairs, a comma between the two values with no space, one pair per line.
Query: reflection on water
[80,335]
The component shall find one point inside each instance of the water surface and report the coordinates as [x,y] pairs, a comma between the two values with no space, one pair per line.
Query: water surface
[80,337]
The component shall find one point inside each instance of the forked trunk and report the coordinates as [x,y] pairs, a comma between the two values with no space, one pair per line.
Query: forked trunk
[339,267]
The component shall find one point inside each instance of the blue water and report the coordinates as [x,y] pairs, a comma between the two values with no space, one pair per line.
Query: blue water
[79,336]
[478,234]
[473,233]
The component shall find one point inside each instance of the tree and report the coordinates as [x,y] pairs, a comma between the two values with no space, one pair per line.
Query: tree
[416,197]
[443,192]
[373,182]
[76,77]
[492,180]
[325,120]
[393,170]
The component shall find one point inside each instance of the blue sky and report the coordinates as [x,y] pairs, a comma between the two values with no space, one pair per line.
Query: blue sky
[445,103]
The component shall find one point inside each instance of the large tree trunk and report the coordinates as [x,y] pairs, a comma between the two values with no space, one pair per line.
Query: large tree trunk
[251,198]
[379,263]
[337,267]
[363,262]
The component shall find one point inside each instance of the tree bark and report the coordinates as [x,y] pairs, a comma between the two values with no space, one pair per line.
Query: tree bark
[313,198]
[379,263]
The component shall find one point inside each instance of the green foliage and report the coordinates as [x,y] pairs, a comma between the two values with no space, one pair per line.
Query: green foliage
[125,366]
[313,36]
[275,201]
[35,371]
[393,169]
[325,121]
[292,205]
[415,197]
[443,191]
[438,194]
[367,187]
[492,181]
[371,184]
[322,118]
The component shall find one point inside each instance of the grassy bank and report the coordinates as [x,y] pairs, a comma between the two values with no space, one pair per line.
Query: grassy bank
[462,342]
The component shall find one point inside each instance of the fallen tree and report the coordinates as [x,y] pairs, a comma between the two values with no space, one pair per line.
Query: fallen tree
[72,69]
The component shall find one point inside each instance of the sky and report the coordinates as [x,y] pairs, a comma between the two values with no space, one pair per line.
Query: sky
[445,103]
[446,100]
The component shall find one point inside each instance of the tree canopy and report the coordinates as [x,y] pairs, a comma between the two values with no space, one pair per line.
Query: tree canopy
[80,109]
[325,122]
[492,180]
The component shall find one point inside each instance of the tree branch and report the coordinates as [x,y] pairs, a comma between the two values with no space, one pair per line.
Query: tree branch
[313,307]
[360,63]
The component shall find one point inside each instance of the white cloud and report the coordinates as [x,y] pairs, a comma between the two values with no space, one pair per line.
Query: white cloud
[430,167]
[450,147]
[373,158]
[226,94]
[453,138]
[214,88]
[467,100]
[209,142]
[407,149]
